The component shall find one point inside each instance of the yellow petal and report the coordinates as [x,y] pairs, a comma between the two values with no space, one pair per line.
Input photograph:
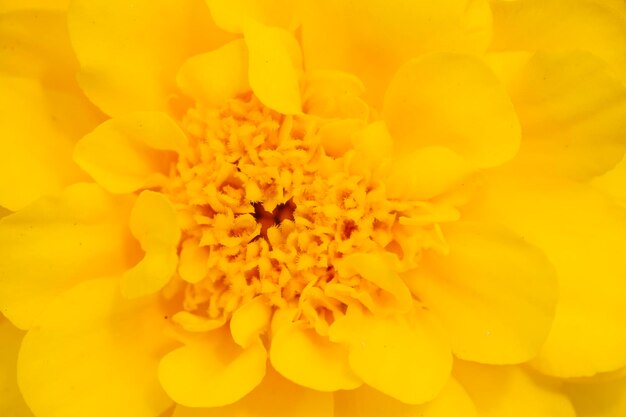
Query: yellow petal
[604,399]
[274,397]
[232,15]
[308,359]
[333,94]
[193,262]
[613,182]
[425,173]
[495,293]
[130,152]
[212,372]
[57,242]
[9,5]
[404,357]
[583,234]
[572,111]
[35,44]
[11,401]
[95,354]
[129,52]
[214,77]
[512,391]
[454,101]
[452,401]
[274,66]
[371,39]
[153,223]
[38,128]
[561,25]
[249,321]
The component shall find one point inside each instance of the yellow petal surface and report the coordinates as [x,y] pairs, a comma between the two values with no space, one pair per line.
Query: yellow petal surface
[602,399]
[212,373]
[405,357]
[11,401]
[38,128]
[274,67]
[129,52]
[10,5]
[308,359]
[613,181]
[95,354]
[249,321]
[153,223]
[512,391]
[35,44]
[334,94]
[572,111]
[582,232]
[455,101]
[57,242]
[130,152]
[367,402]
[495,293]
[274,397]
[371,39]
[213,77]
[561,25]
[232,15]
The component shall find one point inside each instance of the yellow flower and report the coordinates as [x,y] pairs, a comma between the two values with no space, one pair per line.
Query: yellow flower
[314,208]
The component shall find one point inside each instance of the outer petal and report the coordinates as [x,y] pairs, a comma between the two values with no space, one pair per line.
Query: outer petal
[212,373]
[613,182]
[274,397]
[583,234]
[95,354]
[495,293]
[9,5]
[232,15]
[367,402]
[454,101]
[38,128]
[57,242]
[11,401]
[274,67]
[512,392]
[130,152]
[404,357]
[348,35]
[153,222]
[130,51]
[561,25]
[572,111]
[311,360]
[603,399]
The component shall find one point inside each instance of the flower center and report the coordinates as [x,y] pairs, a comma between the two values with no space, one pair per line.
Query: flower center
[266,212]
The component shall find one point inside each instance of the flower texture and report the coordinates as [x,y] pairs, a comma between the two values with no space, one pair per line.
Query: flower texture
[312,208]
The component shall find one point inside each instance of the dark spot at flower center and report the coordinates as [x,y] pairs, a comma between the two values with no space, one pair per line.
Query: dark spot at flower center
[267,219]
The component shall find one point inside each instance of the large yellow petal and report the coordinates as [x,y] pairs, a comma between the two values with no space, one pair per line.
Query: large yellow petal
[452,401]
[405,357]
[308,359]
[57,242]
[583,234]
[561,25]
[572,111]
[10,5]
[274,67]
[213,77]
[95,354]
[129,52]
[512,391]
[232,15]
[212,372]
[613,182]
[371,39]
[11,401]
[495,293]
[38,129]
[131,152]
[274,397]
[153,222]
[454,101]
[599,399]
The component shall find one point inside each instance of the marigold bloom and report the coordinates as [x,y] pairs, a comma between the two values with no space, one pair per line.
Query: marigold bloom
[312,208]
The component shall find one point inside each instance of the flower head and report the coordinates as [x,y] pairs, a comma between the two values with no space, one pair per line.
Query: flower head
[313,208]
